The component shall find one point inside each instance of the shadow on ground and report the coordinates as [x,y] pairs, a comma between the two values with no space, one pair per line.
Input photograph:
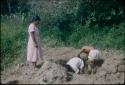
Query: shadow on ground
[13,82]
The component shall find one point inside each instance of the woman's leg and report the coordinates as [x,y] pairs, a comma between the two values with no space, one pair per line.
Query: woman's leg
[34,64]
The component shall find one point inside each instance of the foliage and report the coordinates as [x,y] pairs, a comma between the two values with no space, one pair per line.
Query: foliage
[13,38]
[73,23]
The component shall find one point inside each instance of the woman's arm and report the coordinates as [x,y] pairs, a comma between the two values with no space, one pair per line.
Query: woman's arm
[34,39]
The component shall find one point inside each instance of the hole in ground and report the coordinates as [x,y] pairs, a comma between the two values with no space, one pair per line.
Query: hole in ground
[99,62]
[39,65]
[61,62]
[13,82]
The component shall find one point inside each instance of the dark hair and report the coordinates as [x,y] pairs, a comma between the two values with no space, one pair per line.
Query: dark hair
[35,18]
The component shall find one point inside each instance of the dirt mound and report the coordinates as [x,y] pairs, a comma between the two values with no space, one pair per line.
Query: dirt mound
[111,71]
[51,73]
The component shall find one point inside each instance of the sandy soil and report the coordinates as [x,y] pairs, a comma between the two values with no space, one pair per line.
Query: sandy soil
[112,70]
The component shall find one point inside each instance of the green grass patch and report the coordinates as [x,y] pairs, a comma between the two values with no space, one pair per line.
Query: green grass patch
[14,37]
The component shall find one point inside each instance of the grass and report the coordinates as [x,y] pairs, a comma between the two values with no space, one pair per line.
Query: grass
[107,37]
[14,37]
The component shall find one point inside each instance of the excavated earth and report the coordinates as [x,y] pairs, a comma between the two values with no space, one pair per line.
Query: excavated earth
[52,71]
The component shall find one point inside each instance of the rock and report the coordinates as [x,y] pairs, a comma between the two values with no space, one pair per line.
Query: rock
[110,67]
[121,68]
[122,77]
[100,80]
[118,75]
[113,79]
[102,73]
[100,76]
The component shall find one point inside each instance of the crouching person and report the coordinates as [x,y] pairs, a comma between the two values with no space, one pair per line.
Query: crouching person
[92,55]
[75,65]
[92,59]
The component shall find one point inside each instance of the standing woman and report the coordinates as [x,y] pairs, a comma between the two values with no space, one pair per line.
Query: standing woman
[34,51]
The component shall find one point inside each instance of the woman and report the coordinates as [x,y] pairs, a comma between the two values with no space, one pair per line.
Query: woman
[34,51]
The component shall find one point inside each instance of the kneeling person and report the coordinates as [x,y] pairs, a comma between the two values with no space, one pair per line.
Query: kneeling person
[92,58]
[92,55]
[75,64]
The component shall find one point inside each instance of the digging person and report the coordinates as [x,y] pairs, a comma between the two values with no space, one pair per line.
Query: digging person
[92,55]
[75,65]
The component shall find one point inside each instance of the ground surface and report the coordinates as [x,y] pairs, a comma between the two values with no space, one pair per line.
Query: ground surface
[112,70]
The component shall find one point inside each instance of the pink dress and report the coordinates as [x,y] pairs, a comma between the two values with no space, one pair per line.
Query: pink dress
[33,53]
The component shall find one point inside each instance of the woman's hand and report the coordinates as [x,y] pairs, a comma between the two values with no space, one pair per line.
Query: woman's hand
[36,45]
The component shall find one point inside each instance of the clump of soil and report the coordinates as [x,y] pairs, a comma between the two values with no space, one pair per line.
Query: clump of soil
[111,70]
[51,73]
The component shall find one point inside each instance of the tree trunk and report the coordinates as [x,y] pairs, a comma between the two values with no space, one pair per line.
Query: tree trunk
[9,6]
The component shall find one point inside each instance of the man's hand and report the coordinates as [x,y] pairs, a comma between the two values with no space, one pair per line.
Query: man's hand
[80,71]
[78,55]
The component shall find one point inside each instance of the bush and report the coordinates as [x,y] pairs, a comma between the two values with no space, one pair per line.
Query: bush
[107,37]
[13,38]
[65,23]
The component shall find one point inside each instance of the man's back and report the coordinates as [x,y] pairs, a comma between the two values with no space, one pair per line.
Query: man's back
[76,64]
[94,54]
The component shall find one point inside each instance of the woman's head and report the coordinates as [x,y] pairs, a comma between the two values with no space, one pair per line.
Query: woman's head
[35,19]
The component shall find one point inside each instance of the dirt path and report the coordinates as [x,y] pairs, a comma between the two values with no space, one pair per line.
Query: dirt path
[112,70]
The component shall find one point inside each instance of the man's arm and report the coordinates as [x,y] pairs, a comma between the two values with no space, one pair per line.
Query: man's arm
[80,53]
[81,67]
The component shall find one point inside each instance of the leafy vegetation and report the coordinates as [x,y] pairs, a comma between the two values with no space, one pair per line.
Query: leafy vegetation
[63,23]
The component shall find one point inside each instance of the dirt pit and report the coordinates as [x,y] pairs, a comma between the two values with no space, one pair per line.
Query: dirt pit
[112,70]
